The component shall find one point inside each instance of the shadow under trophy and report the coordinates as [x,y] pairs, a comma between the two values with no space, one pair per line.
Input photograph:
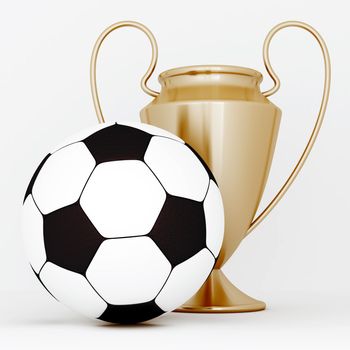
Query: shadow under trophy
[221,112]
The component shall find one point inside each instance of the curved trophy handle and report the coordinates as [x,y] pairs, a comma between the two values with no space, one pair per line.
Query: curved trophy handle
[144,79]
[326,86]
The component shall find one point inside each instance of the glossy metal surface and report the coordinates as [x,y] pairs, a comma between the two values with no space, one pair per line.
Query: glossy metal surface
[224,117]
[235,136]
[219,295]
[321,112]
[221,112]
[94,55]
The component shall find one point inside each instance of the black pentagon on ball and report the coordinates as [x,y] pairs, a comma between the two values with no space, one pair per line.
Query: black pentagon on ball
[118,142]
[71,240]
[128,314]
[180,228]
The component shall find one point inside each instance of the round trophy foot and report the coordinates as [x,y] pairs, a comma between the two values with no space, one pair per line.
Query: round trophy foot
[219,295]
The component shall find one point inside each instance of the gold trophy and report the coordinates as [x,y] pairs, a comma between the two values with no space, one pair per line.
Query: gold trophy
[221,112]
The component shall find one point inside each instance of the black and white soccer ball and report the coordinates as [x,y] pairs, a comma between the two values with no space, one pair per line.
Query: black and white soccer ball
[123,222]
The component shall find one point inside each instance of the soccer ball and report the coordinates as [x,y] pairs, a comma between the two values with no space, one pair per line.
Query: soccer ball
[123,222]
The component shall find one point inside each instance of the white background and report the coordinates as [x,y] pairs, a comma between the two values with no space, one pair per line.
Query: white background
[297,260]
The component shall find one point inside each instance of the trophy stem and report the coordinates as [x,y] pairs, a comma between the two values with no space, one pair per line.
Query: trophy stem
[219,295]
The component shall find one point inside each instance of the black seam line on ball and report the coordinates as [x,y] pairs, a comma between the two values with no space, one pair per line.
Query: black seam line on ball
[29,189]
[68,144]
[206,233]
[172,268]
[172,195]
[206,192]
[167,137]
[154,175]
[124,237]
[46,261]
[211,252]
[204,164]
[81,193]
[41,282]
[38,208]
[95,291]
[46,258]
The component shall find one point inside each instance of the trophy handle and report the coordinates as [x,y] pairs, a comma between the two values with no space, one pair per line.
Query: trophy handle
[144,79]
[316,129]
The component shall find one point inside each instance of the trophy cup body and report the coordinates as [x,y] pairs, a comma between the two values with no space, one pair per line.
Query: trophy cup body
[221,113]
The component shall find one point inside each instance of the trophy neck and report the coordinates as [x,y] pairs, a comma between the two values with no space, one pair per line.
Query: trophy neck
[210,82]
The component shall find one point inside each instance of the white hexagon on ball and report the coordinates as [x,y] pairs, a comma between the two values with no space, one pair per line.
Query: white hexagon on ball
[128,270]
[63,177]
[123,199]
[73,290]
[177,168]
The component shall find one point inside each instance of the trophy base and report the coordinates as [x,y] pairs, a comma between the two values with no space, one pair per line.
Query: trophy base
[219,295]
